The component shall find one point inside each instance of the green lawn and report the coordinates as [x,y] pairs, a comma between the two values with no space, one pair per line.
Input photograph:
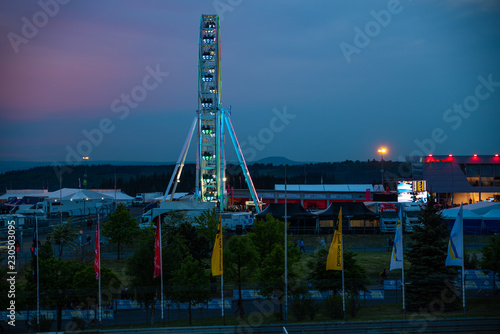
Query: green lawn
[487,307]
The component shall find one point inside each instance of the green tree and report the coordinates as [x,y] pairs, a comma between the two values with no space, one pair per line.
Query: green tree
[355,277]
[190,284]
[87,288]
[46,250]
[491,255]
[240,260]
[206,224]
[121,228]
[173,218]
[87,284]
[56,284]
[268,237]
[183,236]
[140,268]
[427,277]
[63,235]
[180,239]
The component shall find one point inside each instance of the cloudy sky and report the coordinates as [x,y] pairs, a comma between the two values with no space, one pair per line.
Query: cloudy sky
[320,80]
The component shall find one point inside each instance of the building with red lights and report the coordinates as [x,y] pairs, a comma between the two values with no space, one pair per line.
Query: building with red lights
[310,196]
[459,179]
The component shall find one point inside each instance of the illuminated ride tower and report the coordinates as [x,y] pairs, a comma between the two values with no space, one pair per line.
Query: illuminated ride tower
[209,126]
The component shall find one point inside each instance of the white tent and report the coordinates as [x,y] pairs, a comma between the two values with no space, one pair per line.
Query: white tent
[75,194]
[119,196]
[482,208]
[453,213]
[492,215]
[473,211]
[84,194]
[61,193]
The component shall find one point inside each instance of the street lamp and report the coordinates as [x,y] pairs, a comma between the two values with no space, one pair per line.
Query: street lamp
[382,151]
[85,175]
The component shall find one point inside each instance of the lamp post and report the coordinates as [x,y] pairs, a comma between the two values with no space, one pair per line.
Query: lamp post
[382,151]
[85,174]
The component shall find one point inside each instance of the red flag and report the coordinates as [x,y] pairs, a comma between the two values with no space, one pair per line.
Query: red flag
[157,271]
[97,260]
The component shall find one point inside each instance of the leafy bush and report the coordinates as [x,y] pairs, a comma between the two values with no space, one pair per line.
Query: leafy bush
[353,304]
[302,306]
[332,305]
[45,323]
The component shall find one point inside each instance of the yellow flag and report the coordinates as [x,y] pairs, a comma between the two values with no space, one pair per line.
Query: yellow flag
[217,252]
[335,258]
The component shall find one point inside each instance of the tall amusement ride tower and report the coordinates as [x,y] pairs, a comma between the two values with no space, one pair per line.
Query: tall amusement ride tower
[209,126]
[210,155]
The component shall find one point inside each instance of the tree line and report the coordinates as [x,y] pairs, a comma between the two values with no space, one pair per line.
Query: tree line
[155,178]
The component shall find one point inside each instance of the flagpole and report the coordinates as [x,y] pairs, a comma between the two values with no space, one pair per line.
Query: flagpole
[161,268]
[286,252]
[99,245]
[222,296]
[455,255]
[222,274]
[342,251]
[217,259]
[402,264]
[463,285]
[37,275]
[463,259]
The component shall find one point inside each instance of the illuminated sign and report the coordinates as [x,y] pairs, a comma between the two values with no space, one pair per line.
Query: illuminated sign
[432,159]
[411,191]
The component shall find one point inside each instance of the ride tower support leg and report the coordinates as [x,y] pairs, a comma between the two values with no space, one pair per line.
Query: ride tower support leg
[242,162]
[176,175]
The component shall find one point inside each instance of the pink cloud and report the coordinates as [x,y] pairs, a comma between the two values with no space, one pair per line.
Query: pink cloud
[69,67]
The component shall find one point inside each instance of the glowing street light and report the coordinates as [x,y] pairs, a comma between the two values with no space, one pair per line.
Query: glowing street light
[85,175]
[382,151]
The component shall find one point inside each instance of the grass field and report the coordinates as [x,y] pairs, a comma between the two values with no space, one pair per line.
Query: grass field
[374,262]
[487,307]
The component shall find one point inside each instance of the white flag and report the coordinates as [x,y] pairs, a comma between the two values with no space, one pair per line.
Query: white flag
[397,246]
[456,243]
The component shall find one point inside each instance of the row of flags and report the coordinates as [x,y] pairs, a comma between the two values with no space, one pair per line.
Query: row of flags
[455,256]
[455,245]
[335,258]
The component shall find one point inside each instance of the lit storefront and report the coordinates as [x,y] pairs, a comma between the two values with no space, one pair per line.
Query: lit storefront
[459,179]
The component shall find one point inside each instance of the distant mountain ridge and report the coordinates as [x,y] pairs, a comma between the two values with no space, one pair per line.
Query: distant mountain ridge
[6,166]
[276,161]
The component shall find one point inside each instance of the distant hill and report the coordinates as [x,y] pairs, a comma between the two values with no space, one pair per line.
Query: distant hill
[276,161]
[6,166]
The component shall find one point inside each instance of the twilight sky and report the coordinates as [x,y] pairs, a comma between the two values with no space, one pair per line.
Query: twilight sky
[324,80]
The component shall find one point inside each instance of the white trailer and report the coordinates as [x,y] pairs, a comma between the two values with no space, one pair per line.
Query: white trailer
[69,208]
[412,212]
[27,209]
[143,198]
